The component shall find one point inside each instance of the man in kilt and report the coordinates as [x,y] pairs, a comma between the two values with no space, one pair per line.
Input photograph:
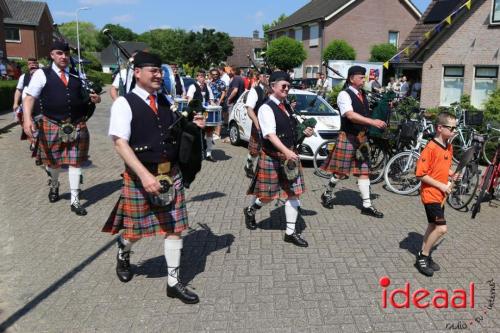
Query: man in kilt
[63,137]
[140,128]
[351,151]
[278,151]
[256,97]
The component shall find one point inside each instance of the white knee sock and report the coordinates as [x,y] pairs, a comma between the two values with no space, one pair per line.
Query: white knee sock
[364,189]
[173,249]
[291,213]
[54,176]
[210,145]
[74,183]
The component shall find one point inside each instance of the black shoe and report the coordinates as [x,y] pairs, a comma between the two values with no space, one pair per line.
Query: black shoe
[181,292]
[327,199]
[296,239]
[372,211]
[423,266]
[54,194]
[249,171]
[432,264]
[123,269]
[249,213]
[210,158]
[78,209]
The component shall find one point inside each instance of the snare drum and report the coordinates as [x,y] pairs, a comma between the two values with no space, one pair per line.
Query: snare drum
[213,115]
[182,104]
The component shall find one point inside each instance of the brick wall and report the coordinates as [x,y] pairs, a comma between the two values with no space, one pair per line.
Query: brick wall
[2,34]
[472,42]
[26,48]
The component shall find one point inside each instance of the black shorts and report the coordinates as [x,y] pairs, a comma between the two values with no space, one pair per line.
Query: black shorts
[435,213]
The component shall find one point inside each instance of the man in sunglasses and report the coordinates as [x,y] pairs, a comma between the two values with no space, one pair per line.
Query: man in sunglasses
[279,133]
[350,153]
[140,129]
[62,132]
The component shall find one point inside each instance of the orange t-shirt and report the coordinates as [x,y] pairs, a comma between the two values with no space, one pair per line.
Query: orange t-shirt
[435,161]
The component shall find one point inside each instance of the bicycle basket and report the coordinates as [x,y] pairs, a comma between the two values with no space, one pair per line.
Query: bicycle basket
[409,130]
[473,118]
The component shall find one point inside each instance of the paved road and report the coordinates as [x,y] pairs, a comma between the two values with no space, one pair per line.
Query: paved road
[57,270]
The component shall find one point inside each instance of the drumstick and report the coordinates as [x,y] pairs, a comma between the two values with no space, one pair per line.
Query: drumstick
[467,156]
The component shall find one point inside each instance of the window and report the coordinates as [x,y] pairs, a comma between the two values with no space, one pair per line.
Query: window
[298,72]
[12,34]
[314,35]
[298,34]
[453,85]
[495,12]
[394,38]
[311,72]
[485,82]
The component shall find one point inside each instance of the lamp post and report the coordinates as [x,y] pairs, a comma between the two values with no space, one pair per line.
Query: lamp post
[78,39]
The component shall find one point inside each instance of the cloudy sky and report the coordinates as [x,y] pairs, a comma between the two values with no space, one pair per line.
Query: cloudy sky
[236,17]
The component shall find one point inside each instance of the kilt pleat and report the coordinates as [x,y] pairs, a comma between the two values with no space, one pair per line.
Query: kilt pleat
[270,183]
[134,214]
[55,153]
[254,144]
[342,160]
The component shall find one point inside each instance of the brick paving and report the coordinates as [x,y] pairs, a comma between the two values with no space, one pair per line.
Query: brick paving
[57,270]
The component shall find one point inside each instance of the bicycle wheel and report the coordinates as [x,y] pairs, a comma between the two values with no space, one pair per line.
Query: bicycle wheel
[378,161]
[320,157]
[465,188]
[399,173]
[485,184]
[489,148]
[459,147]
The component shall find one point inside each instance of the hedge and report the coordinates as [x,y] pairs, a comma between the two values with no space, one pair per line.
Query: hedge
[7,89]
[99,77]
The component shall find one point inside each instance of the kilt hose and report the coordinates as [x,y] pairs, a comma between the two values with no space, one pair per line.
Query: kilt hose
[342,160]
[270,182]
[254,144]
[54,153]
[138,218]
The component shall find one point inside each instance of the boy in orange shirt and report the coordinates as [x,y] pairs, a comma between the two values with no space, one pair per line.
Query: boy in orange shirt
[434,170]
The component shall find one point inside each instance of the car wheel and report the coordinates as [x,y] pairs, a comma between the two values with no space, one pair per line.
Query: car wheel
[234,134]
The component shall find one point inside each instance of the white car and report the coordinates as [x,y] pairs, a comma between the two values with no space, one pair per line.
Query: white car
[309,105]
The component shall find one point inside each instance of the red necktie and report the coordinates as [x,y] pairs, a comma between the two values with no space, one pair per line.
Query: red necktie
[63,78]
[152,103]
[360,96]
[281,106]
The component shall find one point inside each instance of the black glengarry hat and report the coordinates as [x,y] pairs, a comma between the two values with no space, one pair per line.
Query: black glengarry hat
[353,70]
[146,59]
[60,45]
[279,76]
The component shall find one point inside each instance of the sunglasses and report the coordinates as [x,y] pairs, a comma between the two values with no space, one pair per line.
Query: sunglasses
[285,86]
[451,128]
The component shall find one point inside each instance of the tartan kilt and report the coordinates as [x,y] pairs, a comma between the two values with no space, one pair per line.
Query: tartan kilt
[254,144]
[138,218]
[54,153]
[342,160]
[270,182]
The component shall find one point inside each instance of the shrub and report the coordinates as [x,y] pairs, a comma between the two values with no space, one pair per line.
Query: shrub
[339,50]
[382,52]
[492,107]
[7,89]
[99,77]
[285,53]
[331,97]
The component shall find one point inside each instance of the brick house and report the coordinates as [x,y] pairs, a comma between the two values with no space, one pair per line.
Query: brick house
[244,46]
[362,23]
[459,58]
[4,12]
[28,32]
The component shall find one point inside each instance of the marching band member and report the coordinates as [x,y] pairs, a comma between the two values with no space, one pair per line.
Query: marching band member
[202,92]
[355,121]
[278,151]
[140,128]
[63,134]
[219,91]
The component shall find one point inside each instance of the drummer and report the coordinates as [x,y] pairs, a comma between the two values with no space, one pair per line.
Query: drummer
[202,92]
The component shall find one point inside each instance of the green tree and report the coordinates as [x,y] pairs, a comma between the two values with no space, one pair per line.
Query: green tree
[285,53]
[94,62]
[382,52]
[88,34]
[267,26]
[207,48]
[492,107]
[339,49]
[119,33]
[169,44]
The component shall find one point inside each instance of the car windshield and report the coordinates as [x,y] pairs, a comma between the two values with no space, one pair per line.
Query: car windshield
[313,105]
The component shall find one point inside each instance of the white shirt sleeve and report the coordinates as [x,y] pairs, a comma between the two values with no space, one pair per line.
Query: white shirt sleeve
[267,122]
[344,103]
[210,93]
[252,98]
[116,81]
[190,92]
[37,83]
[121,117]
[20,82]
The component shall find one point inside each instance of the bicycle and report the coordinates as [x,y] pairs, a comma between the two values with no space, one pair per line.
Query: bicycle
[465,132]
[490,182]
[490,143]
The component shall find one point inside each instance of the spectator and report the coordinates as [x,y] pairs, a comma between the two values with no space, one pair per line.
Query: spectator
[224,76]
[415,89]
[375,85]
[404,89]
[392,84]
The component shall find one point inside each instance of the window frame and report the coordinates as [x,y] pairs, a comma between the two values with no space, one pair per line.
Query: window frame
[301,34]
[479,79]
[13,40]
[397,37]
[495,19]
[313,42]
[451,77]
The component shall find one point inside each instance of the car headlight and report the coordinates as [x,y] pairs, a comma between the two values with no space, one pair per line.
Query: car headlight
[305,150]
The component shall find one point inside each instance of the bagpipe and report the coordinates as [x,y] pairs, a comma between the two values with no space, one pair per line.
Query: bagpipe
[120,50]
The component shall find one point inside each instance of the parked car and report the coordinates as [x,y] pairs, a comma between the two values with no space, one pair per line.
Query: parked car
[309,83]
[309,105]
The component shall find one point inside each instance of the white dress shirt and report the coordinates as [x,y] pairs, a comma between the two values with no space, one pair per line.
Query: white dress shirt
[192,89]
[344,101]
[253,97]
[121,114]
[38,80]
[267,122]
[127,79]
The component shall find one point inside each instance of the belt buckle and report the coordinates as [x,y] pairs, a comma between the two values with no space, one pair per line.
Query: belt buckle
[164,168]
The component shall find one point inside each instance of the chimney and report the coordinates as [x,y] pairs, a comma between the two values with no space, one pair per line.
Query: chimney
[256,34]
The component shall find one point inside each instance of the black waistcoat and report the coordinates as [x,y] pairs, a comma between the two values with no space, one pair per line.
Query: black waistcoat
[359,107]
[285,128]
[199,96]
[261,98]
[150,138]
[60,102]
[36,104]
